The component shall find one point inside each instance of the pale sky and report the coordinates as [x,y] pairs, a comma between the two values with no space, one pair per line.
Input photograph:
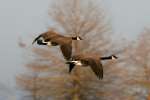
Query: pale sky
[129,16]
[28,17]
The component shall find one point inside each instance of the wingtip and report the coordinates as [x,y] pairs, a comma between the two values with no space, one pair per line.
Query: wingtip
[33,42]
[100,78]
[69,72]
[36,39]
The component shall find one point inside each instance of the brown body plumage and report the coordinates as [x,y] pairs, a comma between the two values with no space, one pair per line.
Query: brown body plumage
[94,61]
[52,38]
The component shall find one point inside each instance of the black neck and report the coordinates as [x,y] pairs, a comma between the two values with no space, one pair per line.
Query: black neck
[106,58]
[74,38]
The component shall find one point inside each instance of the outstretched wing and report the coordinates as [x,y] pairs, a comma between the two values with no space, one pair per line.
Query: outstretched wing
[36,39]
[47,36]
[97,67]
[71,66]
[43,35]
[66,51]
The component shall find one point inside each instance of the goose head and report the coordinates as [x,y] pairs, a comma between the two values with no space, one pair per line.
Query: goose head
[113,57]
[77,38]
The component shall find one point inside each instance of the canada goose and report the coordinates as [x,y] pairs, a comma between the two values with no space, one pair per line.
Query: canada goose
[93,61]
[51,38]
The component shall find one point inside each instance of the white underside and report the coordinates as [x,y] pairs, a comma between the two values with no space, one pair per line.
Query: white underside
[78,63]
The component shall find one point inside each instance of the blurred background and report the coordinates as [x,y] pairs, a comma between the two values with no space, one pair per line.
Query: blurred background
[35,73]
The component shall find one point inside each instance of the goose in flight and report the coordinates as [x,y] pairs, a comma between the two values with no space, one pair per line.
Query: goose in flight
[52,38]
[94,61]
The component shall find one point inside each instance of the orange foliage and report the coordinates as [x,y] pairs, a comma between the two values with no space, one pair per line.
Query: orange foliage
[47,75]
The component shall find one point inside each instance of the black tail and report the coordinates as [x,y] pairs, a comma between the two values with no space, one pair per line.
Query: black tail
[71,66]
[36,39]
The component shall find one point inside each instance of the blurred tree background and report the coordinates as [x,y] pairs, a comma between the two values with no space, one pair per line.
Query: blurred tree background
[46,76]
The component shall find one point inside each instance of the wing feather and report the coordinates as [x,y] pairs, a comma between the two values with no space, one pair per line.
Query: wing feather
[36,39]
[66,51]
[97,68]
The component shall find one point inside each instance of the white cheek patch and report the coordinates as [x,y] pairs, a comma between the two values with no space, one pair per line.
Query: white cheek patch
[78,38]
[113,58]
